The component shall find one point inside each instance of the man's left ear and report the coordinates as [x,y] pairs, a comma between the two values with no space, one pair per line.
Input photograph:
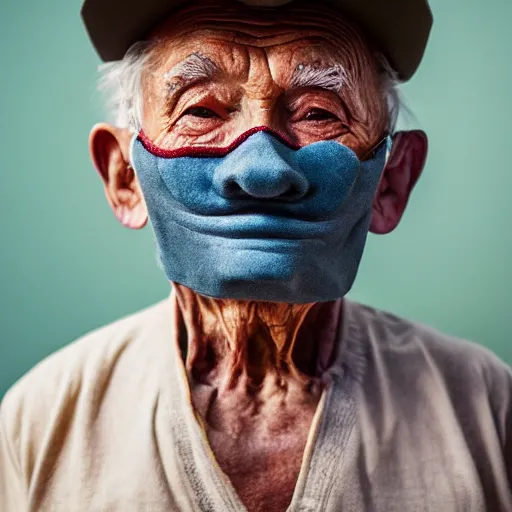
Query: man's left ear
[404,166]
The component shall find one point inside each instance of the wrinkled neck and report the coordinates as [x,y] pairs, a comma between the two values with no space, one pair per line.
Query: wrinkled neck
[246,342]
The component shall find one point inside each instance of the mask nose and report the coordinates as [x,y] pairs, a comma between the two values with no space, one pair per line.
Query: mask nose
[257,169]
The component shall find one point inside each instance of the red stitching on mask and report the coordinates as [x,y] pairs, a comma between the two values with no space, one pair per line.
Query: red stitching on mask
[205,151]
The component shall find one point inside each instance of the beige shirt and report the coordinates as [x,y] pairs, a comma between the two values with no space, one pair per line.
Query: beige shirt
[411,420]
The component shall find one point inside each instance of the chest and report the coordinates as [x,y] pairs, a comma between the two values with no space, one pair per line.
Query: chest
[146,466]
[263,463]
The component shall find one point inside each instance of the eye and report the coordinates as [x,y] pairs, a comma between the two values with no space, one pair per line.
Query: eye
[319,114]
[202,112]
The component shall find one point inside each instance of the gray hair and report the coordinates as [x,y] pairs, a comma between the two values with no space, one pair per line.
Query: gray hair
[121,84]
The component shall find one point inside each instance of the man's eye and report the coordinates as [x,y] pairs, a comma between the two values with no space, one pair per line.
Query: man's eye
[318,114]
[202,112]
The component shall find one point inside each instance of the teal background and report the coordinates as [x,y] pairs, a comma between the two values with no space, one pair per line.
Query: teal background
[67,266]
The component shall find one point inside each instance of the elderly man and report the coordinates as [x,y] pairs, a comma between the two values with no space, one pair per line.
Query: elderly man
[259,140]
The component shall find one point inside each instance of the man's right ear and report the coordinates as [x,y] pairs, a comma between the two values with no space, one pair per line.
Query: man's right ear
[109,148]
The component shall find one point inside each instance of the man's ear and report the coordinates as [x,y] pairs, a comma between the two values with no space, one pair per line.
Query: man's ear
[404,166]
[109,148]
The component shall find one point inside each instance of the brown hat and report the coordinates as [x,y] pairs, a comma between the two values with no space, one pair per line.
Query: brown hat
[400,28]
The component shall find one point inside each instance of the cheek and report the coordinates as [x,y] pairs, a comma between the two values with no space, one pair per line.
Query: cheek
[153,114]
[222,137]
[374,116]
[360,140]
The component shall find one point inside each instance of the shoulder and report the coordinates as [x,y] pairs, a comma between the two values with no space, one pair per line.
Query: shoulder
[391,336]
[75,376]
[413,356]
[86,357]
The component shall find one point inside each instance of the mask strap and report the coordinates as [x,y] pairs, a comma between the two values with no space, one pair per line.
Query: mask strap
[375,149]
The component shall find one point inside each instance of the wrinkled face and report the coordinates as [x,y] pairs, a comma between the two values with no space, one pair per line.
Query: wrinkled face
[280,217]
[219,69]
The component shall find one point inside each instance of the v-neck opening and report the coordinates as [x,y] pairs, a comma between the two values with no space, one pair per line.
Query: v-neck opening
[335,413]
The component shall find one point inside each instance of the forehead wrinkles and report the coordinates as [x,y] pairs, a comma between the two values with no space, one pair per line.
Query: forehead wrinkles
[279,31]
[267,28]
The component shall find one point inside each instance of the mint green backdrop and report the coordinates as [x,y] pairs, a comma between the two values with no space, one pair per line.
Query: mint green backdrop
[67,266]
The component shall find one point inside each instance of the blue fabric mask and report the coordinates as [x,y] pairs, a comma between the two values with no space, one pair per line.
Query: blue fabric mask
[262,219]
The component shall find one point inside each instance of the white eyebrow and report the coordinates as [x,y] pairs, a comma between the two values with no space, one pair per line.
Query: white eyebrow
[194,68]
[333,78]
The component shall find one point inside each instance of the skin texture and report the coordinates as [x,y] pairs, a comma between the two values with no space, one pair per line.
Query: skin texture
[255,375]
[255,368]
[257,65]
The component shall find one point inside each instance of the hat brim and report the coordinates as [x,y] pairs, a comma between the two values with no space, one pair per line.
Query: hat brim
[399,28]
